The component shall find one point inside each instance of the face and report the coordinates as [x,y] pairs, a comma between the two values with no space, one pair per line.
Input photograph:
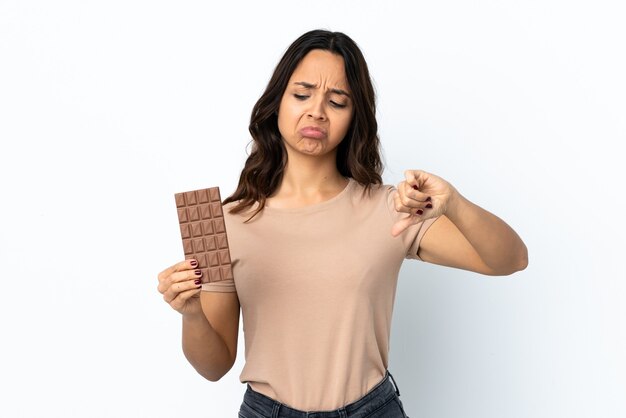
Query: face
[316,109]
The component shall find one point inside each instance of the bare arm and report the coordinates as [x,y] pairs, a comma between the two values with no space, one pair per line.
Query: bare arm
[465,235]
[471,238]
[210,319]
[210,338]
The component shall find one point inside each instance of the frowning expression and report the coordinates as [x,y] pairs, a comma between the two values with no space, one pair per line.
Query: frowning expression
[316,109]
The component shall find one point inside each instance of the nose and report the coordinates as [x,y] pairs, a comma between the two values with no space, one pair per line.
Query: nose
[317,109]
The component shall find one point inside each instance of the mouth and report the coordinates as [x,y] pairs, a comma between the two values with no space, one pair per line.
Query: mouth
[313,132]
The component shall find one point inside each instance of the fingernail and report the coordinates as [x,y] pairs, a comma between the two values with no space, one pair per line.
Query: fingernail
[197,281]
[419,211]
[194,263]
[198,273]
[429,206]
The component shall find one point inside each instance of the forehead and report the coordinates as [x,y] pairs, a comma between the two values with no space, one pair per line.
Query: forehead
[319,66]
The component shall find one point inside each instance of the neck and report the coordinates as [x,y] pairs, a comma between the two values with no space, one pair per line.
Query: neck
[310,177]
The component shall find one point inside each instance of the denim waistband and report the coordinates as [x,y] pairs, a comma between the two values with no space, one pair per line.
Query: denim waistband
[376,397]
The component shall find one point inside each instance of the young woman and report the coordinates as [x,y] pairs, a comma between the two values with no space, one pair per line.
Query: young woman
[317,242]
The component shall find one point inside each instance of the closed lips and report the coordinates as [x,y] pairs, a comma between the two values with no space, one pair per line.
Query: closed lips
[313,131]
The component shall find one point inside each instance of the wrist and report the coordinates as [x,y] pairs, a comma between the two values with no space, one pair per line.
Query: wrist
[455,205]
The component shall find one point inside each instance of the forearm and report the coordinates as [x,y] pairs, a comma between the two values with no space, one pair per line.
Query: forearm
[204,348]
[497,244]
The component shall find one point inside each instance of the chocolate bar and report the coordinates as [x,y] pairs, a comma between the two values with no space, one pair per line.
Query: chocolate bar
[203,232]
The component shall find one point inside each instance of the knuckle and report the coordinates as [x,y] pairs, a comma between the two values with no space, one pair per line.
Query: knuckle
[174,277]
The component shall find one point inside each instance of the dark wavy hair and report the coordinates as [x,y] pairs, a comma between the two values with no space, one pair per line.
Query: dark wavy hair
[358,154]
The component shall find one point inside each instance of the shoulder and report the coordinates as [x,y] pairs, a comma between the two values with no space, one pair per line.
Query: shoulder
[374,192]
[228,207]
[232,215]
[379,195]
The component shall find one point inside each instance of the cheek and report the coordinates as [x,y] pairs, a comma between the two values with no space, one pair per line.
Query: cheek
[281,125]
[285,111]
[286,124]
[282,117]
[345,125]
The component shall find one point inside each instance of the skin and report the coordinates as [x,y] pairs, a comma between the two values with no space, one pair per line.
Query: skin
[317,94]
[210,322]
[465,236]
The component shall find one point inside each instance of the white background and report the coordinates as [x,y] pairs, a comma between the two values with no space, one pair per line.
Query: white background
[109,108]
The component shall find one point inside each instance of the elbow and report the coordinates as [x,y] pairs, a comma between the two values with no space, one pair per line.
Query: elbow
[522,262]
[213,376]
[519,264]
[520,267]
[211,371]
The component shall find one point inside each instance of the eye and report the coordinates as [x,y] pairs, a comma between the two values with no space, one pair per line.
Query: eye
[338,105]
[300,96]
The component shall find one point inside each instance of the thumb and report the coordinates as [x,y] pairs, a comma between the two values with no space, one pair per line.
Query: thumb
[401,225]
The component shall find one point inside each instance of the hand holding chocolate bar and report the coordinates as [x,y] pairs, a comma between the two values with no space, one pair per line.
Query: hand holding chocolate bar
[180,286]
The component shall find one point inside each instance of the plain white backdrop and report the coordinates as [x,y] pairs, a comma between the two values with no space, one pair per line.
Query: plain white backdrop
[109,108]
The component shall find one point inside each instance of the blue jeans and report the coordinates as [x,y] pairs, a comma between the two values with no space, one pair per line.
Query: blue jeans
[383,401]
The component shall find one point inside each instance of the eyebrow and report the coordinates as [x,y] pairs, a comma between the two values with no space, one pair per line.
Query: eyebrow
[310,86]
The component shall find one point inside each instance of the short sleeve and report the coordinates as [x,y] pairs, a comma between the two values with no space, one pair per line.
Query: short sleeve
[223,286]
[421,231]
[412,236]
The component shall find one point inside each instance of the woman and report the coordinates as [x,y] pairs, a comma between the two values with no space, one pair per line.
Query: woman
[317,242]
